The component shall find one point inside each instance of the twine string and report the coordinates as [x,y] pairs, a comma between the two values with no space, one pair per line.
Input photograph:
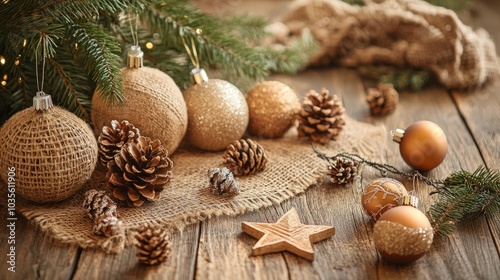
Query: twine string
[39,84]
[135,34]
[191,51]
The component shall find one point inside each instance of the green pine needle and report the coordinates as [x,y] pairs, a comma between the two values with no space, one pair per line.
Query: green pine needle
[465,195]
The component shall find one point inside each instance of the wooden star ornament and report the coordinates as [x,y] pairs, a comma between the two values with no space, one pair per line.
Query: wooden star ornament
[287,234]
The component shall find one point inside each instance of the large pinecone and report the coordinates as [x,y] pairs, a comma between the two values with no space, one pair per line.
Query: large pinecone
[153,245]
[222,182]
[382,100]
[244,157]
[102,210]
[140,171]
[113,138]
[342,171]
[321,117]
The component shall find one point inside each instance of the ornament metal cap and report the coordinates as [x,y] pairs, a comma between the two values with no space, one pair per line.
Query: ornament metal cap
[42,101]
[408,200]
[198,76]
[397,135]
[135,57]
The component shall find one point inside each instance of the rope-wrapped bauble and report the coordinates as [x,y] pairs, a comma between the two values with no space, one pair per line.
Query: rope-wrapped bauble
[153,103]
[53,152]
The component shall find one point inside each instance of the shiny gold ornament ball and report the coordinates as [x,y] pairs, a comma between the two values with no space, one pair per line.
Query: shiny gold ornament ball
[49,154]
[403,234]
[153,103]
[217,112]
[381,195]
[273,107]
[423,145]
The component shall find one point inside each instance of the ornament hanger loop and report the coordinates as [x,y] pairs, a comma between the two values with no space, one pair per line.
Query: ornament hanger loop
[39,85]
[41,101]
[135,57]
[192,53]
[135,34]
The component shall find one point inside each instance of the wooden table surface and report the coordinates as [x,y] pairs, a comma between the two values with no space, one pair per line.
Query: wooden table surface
[218,249]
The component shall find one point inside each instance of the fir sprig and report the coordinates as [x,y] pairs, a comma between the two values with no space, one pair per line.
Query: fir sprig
[401,79]
[467,195]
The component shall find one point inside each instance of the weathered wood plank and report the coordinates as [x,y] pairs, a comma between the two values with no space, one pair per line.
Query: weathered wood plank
[480,110]
[37,255]
[95,264]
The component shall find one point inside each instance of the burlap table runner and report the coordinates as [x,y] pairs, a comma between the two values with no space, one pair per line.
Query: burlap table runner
[291,169]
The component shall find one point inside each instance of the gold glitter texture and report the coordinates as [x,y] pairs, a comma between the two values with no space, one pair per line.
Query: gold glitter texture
[273,106]
[401,244]
[381,195]
[217,114]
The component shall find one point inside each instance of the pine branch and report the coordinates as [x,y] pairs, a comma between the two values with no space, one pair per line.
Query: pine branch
[213,44]
[466,195]
[293,58]
[401,79]
[97,51]
[68,90]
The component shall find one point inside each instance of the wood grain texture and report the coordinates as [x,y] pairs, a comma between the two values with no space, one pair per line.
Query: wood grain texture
[287,234]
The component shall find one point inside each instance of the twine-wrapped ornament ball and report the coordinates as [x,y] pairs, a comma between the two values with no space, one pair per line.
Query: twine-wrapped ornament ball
[273,107]
[153,103]
[403,234]
[217,112]
[52,150]
[381,195]
[423,145]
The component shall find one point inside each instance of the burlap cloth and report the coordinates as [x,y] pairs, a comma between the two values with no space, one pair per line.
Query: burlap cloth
[403,33]
[291,169]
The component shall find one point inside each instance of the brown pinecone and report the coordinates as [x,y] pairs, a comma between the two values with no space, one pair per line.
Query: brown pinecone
[321,117]
[140,171]
[102,210]
[342,171]
[244,157]
[382,100]
[222,182]
[97,203]
[153,245]
[113,138]
[108,225]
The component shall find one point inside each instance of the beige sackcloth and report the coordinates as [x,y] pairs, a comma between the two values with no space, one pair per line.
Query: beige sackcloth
[403,33]
[292,168]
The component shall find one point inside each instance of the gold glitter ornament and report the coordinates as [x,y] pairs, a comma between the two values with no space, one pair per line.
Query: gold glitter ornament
[273,107]
[153,103]
[403,234]
[49,151]
[217,112]
[423,145]
[381,195]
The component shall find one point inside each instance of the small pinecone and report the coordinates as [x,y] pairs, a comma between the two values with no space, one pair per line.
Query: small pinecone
[244,157]
[222,182]
[139,172]
[113,138]
[102,210]
[382,100]
[108,225]
[321,117]
[97,203]
[343,171]
[153,245]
